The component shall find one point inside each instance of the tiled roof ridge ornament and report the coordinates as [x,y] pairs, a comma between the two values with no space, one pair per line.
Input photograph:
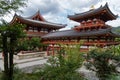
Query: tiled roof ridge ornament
[92,7]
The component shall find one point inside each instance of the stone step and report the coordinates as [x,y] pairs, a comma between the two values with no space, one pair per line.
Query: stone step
[28,60]
[30,55]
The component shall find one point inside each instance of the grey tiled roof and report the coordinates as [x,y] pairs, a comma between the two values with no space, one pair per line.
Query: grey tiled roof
[87,14]
[36,14]
[38,23]
[73,33]
[46,23]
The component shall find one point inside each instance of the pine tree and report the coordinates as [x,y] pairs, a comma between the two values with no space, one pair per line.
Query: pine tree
[6,6]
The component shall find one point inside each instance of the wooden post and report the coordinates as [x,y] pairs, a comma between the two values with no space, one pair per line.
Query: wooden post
[48,51]
[53,53]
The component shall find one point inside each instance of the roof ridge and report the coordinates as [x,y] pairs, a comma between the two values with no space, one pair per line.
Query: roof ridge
[45,22]
[35,14]
[92,13]
[74,33]
[87,11]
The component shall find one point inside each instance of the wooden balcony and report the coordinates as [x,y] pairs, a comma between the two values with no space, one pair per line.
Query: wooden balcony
[60,42]
[99,25]
[90,43]
[101,43]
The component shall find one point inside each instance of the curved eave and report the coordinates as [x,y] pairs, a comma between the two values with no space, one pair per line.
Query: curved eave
[113,16]
[33,35]
[17,18]
[84,15]
[75,34]
[114,34]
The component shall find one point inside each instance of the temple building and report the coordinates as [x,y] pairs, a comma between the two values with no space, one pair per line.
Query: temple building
[36,25]
[93,30]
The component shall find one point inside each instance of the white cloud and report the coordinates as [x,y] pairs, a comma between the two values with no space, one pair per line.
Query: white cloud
[114,23]
[57,10]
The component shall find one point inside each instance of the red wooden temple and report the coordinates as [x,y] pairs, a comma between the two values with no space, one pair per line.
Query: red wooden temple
[93,30]
[37,26]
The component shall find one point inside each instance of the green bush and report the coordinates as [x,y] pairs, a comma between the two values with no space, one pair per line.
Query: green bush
[33,44]
[114,77]
[60,67]
[19,75]
[63,66]
[102,61]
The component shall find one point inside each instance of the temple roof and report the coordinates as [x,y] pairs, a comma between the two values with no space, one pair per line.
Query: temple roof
[37,16]
[75,34]
[102,12]
[38,23]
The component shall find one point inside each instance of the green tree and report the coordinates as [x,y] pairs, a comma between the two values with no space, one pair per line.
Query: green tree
[64,65]
[23,45]
[6,6]
[9,35]
[29,44]
[102,62]
[35,43]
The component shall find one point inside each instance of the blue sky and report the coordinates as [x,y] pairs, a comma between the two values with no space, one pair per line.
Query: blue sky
[57,10]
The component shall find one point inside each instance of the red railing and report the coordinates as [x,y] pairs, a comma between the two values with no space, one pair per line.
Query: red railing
[90,43]
[89,26]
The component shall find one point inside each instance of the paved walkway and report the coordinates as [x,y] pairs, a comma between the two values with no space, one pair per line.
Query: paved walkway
[0,56]
[90,75]
[26,62]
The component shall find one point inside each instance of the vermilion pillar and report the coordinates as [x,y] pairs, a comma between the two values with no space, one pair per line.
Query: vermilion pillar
[48,51]
[53,53]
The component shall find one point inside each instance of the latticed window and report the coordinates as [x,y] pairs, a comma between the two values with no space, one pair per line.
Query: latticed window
[30,28]
[35,29]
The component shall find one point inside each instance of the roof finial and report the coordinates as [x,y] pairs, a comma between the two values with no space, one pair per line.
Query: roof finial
[38,10]
[92,7]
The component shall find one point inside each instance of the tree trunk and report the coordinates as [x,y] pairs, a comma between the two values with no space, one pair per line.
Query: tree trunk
[11,65]
[5,55]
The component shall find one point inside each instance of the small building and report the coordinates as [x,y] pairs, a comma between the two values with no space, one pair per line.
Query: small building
[36,25]
[93,30]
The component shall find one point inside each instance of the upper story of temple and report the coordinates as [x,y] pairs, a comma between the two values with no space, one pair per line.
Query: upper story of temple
[93,19]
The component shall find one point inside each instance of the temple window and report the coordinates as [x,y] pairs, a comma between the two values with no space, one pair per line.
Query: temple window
[35,29]
[31,29]
[49,30]
[89,22]
[27,28]
[94,21]
[42,30]
[83,23]
[39,29]
[53,31]
[46,30]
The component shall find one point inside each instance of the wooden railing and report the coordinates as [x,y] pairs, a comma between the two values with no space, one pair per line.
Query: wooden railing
[90,43]
[89,26]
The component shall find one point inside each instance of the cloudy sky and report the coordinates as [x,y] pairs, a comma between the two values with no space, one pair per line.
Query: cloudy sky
[57,10]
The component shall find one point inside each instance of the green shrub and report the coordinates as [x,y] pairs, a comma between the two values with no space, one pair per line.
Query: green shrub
[63,66]
[114,77]
[102,61]
[60,67]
